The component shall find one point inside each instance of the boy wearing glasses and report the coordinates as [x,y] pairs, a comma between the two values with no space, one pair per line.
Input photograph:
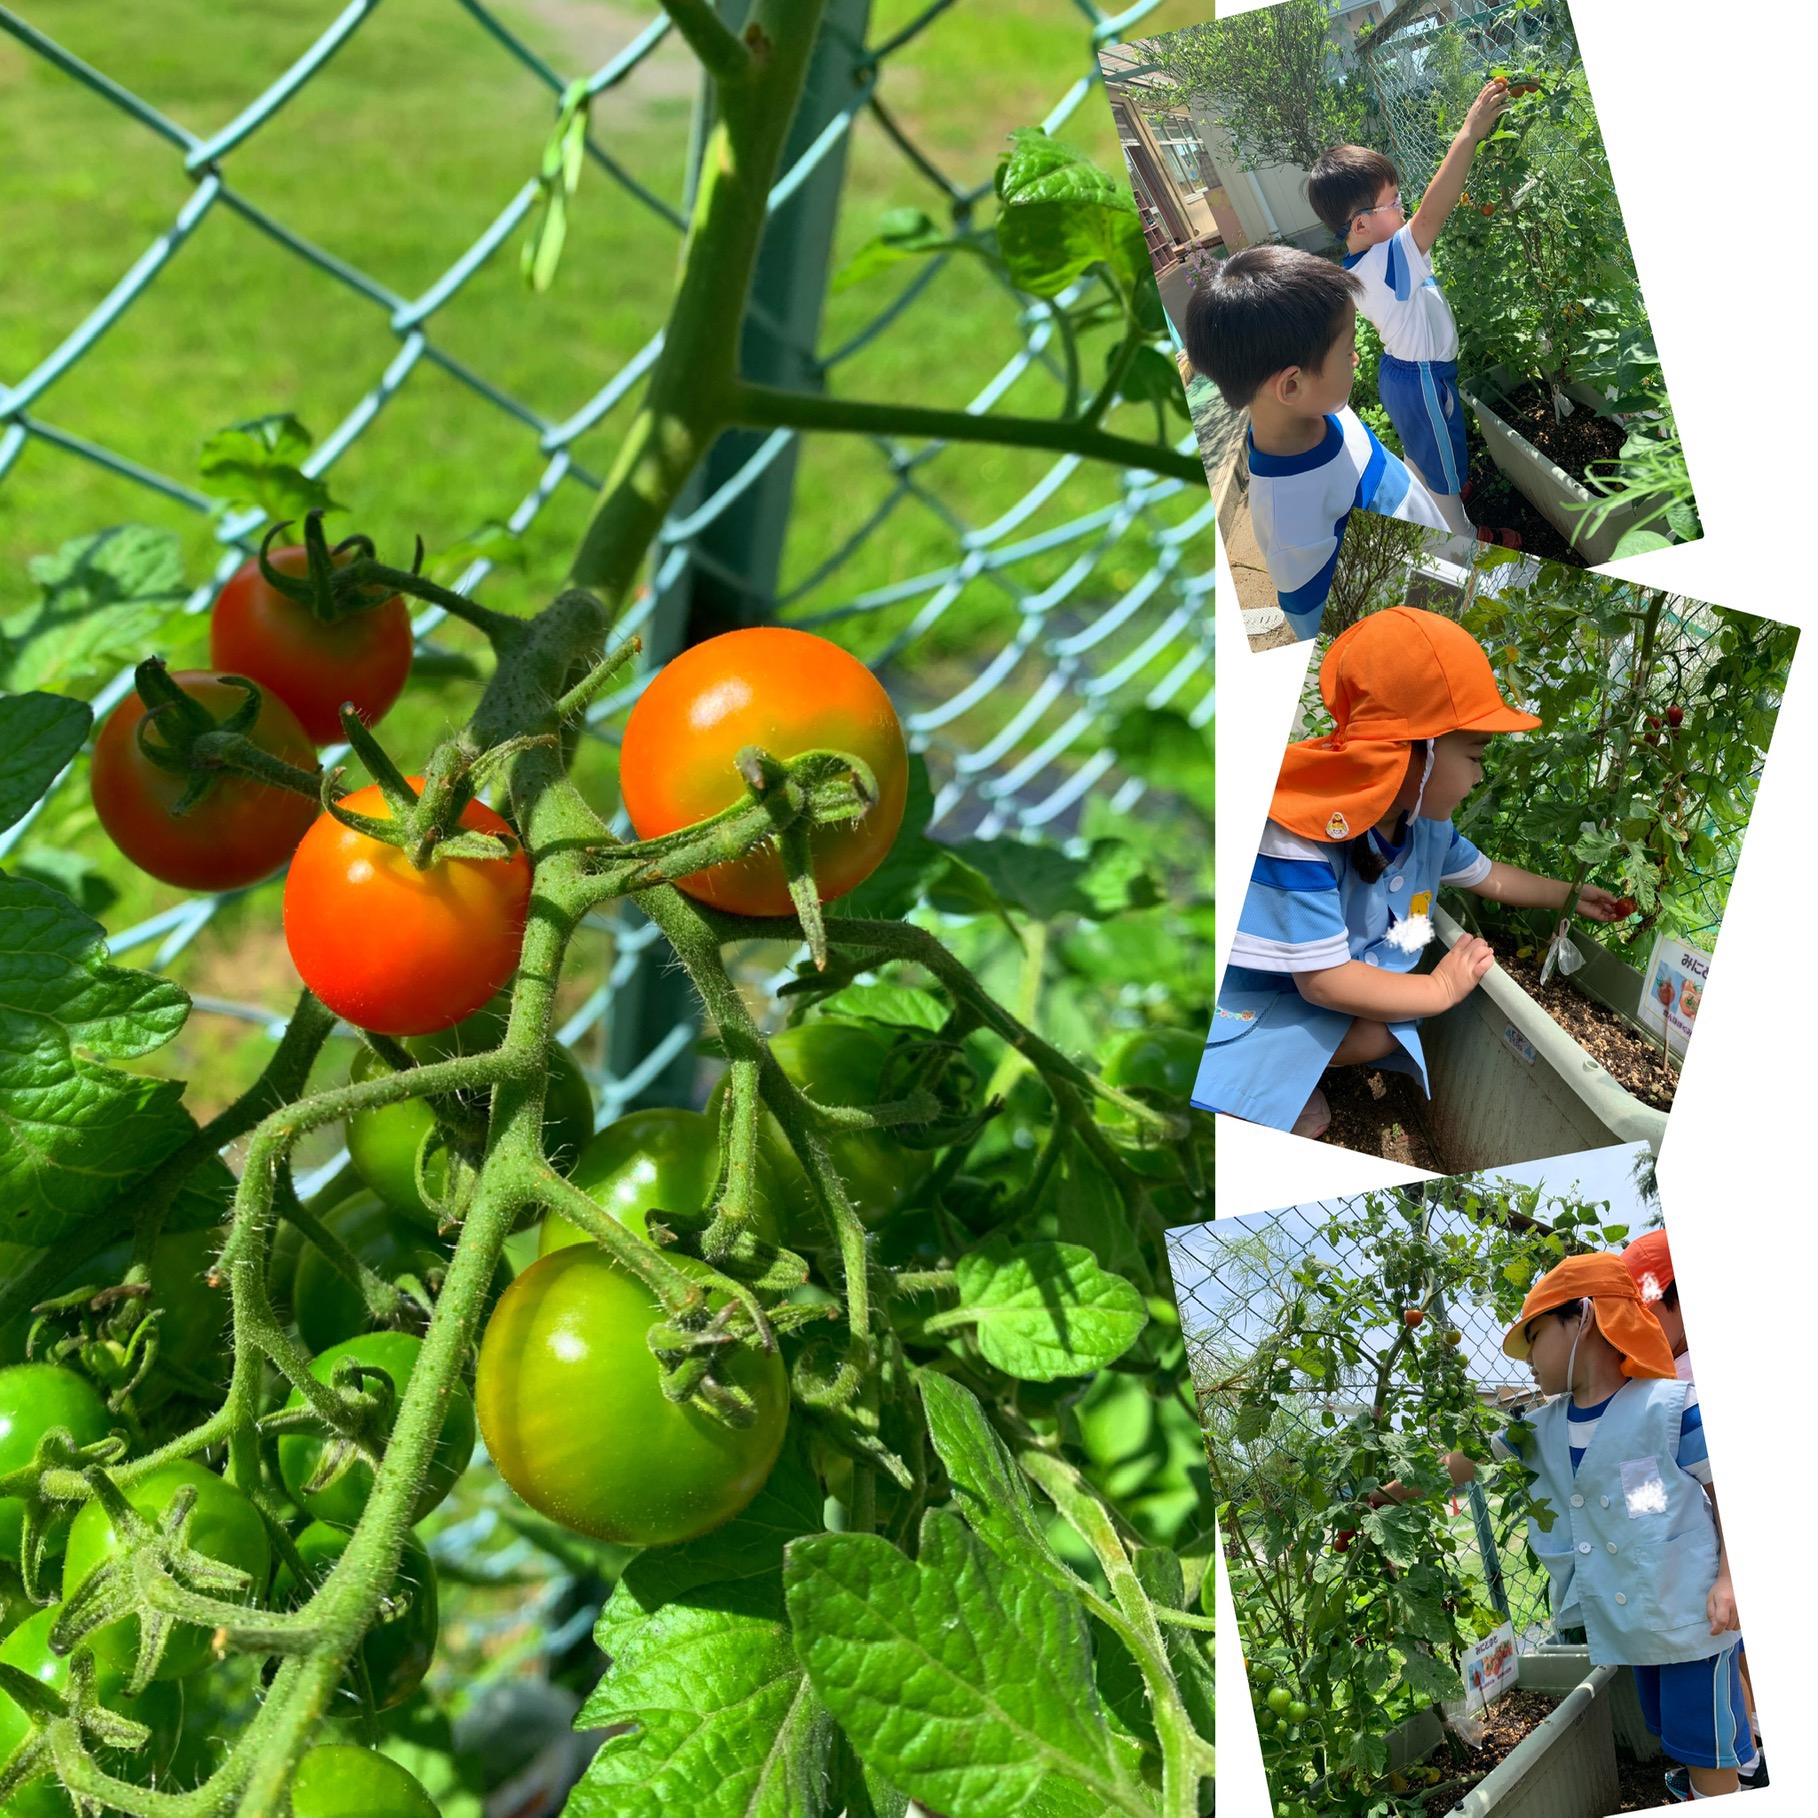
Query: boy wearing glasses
[1357,193]
[1275,329]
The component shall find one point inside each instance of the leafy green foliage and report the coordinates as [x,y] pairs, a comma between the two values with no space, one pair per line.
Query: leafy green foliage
[261,464]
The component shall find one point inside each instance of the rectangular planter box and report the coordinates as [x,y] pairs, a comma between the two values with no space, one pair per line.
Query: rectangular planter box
[1564,1769]
[1549,488]
[1509,1085]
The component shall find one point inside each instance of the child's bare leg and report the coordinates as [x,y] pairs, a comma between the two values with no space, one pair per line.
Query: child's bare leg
[1363,1041]
[1713,1781]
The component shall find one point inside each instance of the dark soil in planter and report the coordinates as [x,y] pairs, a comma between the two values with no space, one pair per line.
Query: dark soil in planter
[1573,442]
[1379,1113]
[1511,1719]
[1497,503]
[1631,1059]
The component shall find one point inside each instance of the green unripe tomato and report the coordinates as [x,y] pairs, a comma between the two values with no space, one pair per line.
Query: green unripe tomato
[159,1707]
[339,1781]
[34,1398]
[1299,1712]
[300,1453]
[662,1159]
[329,1308]
[396,1651]
[1279,1699]
[384,1144]
[572,1408]
[1162,1061]
[223,1524]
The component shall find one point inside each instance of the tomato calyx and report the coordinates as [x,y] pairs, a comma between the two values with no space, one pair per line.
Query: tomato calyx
[152,1553]
[421,807]
[58,1451]
[81,1703]
[192,742]
[329,590]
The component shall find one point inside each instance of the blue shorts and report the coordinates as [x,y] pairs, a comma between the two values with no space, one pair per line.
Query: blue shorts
[1698,1710]
[1421,397]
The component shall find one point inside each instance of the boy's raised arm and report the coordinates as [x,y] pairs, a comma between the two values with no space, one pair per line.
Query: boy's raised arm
[1449,180]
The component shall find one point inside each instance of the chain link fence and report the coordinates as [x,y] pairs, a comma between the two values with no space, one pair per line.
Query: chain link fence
[1084,599]
[1234,1282]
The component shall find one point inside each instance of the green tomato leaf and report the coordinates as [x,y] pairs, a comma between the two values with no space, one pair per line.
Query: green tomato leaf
[106,599]
[261,463]
[1081,1204]
[988,1489]
[74,1132]
[903,233]
[1059,214]
[1043,1311]
[39,734]
[724,1721]
[1639,542]
[900,1006]
[1165,749]
[1432,1679]
[961,1679]
[1153,378]
[74,873]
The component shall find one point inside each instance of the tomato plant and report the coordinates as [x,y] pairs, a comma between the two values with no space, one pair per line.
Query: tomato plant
[239,830]
[311,664]
[306,1458]
[390,1144]
[787,693]
[222,1526]
[856,1389]
[638,1468]
[395,949]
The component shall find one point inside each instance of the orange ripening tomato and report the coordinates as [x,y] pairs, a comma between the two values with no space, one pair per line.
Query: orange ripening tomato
[788,692]
[397,950]
[364,658]
[240,831]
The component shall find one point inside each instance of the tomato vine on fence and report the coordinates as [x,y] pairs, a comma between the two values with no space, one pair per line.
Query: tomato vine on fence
[847,1356]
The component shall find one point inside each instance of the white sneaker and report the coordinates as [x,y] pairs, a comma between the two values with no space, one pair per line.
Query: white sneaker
[1315,1115]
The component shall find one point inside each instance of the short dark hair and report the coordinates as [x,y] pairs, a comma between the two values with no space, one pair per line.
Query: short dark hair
[1261,311]
[1669,1296]
[1344,183]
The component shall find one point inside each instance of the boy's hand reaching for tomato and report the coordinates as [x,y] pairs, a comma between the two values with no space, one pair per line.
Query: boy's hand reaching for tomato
[1457,974]
[1597,904]
[1492,98]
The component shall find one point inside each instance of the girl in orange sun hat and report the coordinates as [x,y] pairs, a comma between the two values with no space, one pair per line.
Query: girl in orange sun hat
[1359,842]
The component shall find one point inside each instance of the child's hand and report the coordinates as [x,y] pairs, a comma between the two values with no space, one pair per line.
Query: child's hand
[1596,904]
[1720,1606]
[1457,974]
[1492,98]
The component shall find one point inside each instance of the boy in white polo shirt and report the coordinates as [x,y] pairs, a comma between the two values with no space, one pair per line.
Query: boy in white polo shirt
[1357,193]
[1275,329]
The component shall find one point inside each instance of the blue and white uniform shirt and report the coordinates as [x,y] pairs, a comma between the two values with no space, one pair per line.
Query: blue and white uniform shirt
[1299,505]
[1308,910]
[1402,299]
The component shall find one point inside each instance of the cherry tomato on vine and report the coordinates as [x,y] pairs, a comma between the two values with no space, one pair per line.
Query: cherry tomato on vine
[279,643]
[1159,1060]
[340,1781]
[1278,1699]
[159,1707]
[385,1144]
[329,1308]
[397,950]
[1341,1541]
[396,1651]
[1675,716]
[300,1453]
[572,1409]
[659,1158]
[223,1524]
[239,832]
[34,1398]
[1412,1316]
[788,692]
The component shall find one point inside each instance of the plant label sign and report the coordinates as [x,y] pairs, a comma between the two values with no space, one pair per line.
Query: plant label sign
[1671,990]
[1489,1668]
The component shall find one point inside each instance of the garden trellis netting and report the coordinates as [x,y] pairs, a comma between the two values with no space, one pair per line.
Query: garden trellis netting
[1426,61]
[1015,745]
[1232,1280]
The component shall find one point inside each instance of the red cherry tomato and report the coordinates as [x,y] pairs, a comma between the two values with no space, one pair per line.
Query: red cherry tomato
[1341,1541]
[1412,1317]
[1675,716]
[788,692]
[394,949]
[364,658]
[240,831]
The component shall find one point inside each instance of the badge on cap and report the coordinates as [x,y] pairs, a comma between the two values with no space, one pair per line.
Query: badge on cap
[1338,828]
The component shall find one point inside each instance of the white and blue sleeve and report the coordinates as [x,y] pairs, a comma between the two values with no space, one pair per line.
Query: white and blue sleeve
[1292,918]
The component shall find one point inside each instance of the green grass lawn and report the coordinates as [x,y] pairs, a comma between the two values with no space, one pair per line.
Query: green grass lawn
[394,159]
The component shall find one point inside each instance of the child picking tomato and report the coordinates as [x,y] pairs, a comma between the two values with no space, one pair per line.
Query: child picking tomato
[1357,193]
[1359,842]
[1634,1554]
